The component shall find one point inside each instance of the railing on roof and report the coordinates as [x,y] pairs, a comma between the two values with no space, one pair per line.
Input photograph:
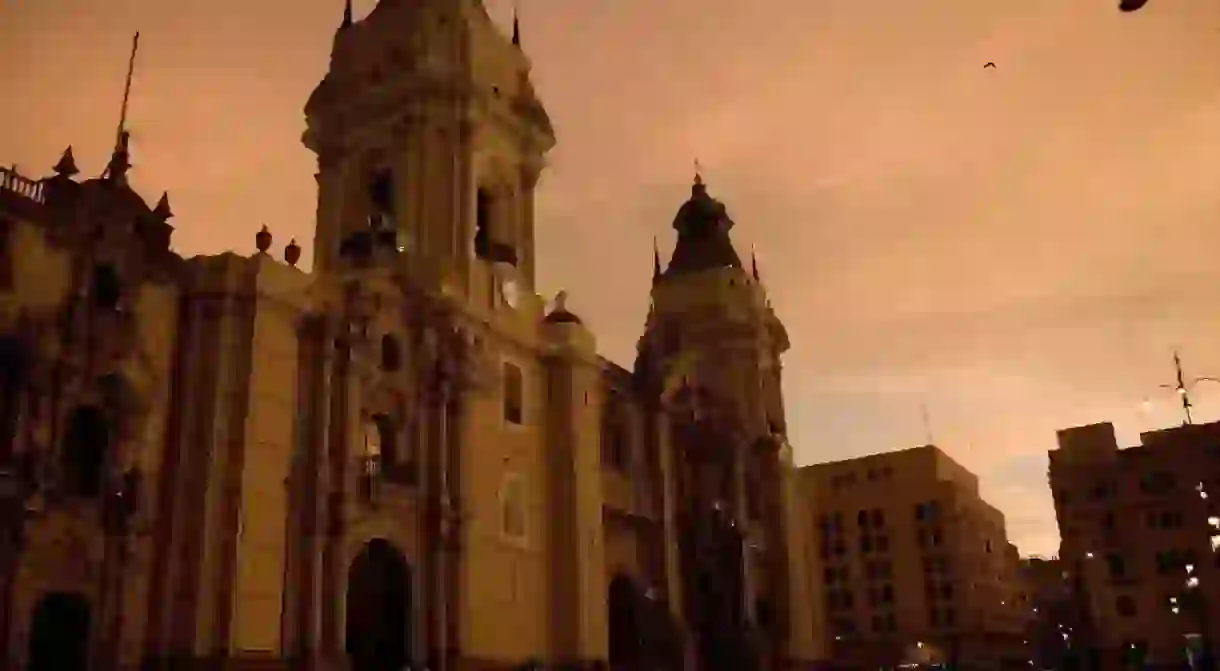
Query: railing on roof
[11,180]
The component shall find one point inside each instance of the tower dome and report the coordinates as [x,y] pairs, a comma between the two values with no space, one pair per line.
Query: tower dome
[703,226]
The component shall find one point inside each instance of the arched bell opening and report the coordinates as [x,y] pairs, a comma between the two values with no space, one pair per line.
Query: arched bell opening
[379,609]
[59,633]
[85,452]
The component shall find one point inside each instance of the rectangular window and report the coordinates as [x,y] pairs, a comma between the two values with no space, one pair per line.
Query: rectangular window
[482,221]
[514,394]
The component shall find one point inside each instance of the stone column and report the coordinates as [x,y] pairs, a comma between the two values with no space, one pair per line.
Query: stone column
[463,193]
[313,488]
[670,512]
[451,436]
[334,490]
[806,630]
[439,516]
[331,184]
[413,220]
[740,510]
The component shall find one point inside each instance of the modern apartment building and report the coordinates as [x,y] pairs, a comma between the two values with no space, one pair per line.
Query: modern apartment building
[1054,612]
[1136,525]
[914,565]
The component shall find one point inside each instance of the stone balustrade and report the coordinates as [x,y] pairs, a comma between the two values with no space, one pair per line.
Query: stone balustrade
[12,181]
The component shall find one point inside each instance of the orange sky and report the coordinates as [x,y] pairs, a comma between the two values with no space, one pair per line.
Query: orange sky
[1018,247]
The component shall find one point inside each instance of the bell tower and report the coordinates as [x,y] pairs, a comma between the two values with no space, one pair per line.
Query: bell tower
[710,356]
[711,330]
[430,137]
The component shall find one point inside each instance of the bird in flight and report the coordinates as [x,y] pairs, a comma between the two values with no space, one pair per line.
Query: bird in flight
[989,65]
[1131,5]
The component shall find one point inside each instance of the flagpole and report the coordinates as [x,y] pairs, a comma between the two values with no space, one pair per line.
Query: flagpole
[121,132]
[131,67]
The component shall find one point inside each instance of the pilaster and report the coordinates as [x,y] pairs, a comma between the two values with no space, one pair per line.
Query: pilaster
[219,532]
[806,624]
[579,584]
[270,431]
[740,511]
[669,475]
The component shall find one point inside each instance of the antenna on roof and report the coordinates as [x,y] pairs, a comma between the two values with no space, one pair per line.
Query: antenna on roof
[120,135]
[1184,386]
[927,423]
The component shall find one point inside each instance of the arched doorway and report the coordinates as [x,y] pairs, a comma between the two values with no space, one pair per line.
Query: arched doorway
[378,636]
[84,453]
[59,633]
[625,637]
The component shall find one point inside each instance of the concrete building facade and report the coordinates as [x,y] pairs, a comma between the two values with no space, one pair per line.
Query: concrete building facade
[1053,610]
[1135,526]
[404,455]
[914,565]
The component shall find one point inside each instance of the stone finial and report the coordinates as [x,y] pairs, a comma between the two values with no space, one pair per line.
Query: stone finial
[292,253]
[559,313]
[66,167]
[162,211]
[263,240]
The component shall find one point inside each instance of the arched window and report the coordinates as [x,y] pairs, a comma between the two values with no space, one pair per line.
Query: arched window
[395,460]
[84,453]
[391,354]
[106,287]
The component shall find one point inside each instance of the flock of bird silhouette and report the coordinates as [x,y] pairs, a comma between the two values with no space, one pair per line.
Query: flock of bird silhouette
[1123,6]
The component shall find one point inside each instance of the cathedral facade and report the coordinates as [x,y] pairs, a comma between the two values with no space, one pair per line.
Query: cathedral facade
[404,456]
